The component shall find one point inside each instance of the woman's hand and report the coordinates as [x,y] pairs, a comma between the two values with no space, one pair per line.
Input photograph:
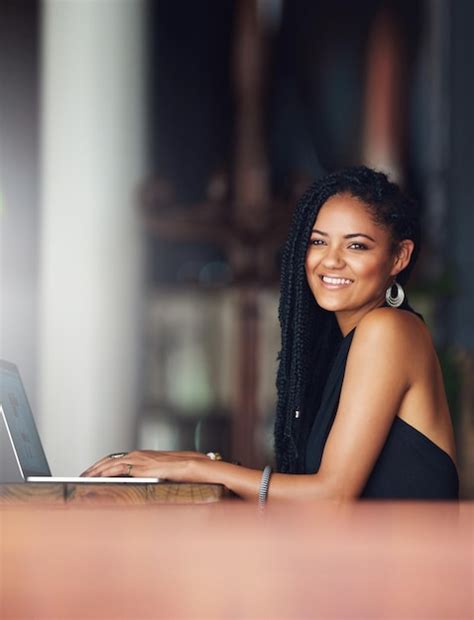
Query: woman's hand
[177,466]
[198,467]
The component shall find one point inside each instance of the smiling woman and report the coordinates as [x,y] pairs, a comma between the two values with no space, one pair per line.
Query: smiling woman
[352,260]
[362,410]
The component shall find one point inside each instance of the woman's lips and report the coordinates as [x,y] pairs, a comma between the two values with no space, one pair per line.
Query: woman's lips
[335,282]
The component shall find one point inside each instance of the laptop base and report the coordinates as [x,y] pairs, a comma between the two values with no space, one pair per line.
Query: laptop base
[84,480]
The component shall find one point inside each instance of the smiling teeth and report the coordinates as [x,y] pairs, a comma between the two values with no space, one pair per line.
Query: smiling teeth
[336,281]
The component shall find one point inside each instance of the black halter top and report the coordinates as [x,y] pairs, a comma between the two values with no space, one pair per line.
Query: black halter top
[410,466]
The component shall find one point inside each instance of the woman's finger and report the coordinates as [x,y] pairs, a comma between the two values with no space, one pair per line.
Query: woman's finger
[143,454]
[129,465]
[117,468]
[147,463]
[110,458]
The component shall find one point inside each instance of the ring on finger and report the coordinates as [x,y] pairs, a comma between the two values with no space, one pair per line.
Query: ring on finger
[130,467]
[214,456]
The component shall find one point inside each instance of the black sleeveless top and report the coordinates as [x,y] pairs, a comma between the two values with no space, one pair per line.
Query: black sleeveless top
[410,466]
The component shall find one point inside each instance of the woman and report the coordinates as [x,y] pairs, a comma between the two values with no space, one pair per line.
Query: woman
[362,410]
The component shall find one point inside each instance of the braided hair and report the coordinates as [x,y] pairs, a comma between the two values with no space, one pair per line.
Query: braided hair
[310,335]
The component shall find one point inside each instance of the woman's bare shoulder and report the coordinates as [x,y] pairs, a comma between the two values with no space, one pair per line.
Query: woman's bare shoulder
[401,330]
[391,347]
[392,319]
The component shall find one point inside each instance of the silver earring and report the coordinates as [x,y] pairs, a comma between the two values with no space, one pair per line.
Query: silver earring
[396,301]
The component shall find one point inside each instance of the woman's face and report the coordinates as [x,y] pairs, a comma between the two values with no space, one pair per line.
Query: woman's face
[350,260]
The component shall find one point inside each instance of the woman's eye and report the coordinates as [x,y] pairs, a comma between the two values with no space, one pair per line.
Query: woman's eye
[316,242]
[358,246]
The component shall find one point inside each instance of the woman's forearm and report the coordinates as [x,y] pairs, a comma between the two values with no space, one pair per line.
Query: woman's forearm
[245,482]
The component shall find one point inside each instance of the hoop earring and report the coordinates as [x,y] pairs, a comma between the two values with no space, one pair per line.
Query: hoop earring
[397,300]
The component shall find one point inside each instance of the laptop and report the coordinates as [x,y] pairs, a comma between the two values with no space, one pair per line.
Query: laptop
[22,458]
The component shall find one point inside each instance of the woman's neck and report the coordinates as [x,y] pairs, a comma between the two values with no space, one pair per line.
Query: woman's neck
[348,319]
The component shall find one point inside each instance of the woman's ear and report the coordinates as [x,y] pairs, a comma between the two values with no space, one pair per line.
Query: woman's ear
[402,256]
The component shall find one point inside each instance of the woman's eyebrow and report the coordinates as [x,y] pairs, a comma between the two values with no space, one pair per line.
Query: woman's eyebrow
[351,236]
[359,235]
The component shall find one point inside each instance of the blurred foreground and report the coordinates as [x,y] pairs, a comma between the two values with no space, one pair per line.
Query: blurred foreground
[226,560]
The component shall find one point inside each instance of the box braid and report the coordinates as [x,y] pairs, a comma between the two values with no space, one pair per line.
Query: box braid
[309,334]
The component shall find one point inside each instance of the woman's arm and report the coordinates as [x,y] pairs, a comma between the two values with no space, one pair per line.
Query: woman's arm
[378,374]
[196,467]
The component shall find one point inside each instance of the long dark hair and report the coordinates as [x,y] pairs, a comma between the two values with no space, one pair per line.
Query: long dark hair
[309,334]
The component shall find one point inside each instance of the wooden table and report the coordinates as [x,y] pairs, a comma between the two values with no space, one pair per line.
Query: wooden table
[74,494]
[391,560]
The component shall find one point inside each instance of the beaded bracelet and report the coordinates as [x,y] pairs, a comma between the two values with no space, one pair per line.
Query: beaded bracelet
[264,484]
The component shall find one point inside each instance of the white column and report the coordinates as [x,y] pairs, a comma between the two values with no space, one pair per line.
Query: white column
[93,157]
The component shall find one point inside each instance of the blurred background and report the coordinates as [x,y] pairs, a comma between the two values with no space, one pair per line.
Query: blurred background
[151,153]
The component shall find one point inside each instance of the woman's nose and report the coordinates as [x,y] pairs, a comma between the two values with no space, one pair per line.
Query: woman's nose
[333,258]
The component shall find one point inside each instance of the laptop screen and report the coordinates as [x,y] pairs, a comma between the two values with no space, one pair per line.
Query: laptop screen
[20,423]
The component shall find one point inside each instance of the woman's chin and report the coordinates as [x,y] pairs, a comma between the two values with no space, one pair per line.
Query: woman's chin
[331,305]
[332,300]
